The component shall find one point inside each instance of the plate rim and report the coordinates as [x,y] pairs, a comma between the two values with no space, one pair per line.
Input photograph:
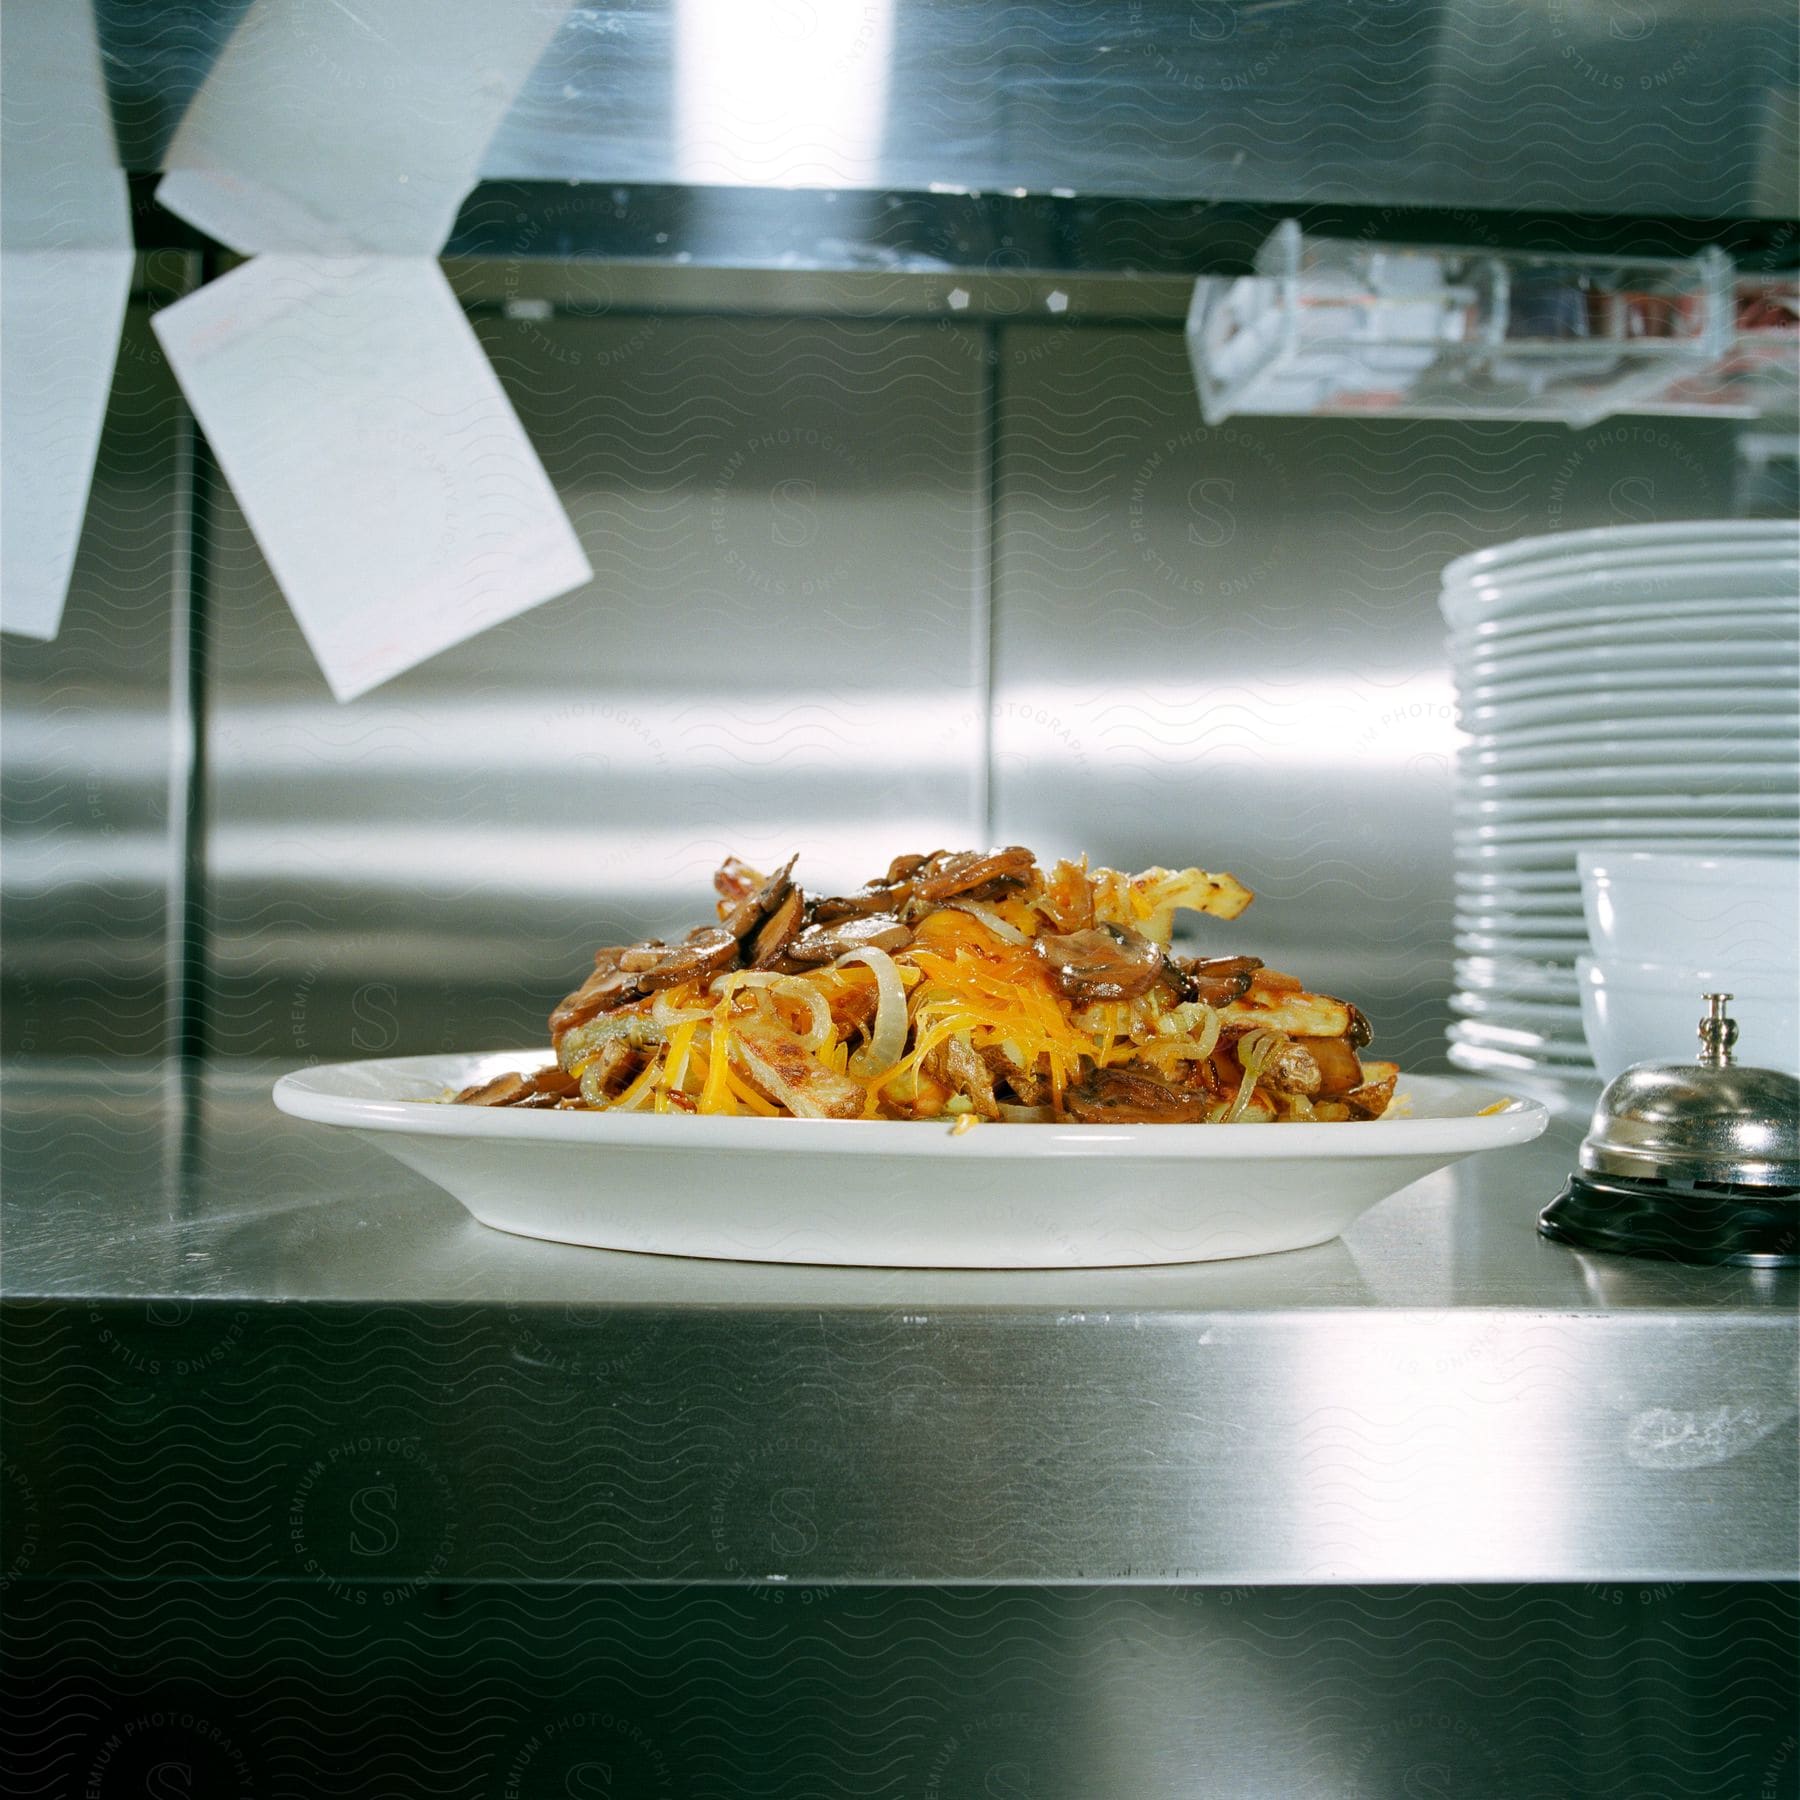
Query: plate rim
[306,1094]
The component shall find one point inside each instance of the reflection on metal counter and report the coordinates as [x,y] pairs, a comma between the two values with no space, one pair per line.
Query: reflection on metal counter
[1441,1396]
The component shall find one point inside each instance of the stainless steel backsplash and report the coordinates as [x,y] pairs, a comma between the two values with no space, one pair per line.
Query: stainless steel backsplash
[859,588]
[88,740]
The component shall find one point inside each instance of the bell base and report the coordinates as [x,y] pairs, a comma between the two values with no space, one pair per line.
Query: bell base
[1756,1227]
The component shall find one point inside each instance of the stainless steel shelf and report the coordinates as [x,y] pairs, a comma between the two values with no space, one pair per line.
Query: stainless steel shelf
[1684,107]
[292,1322]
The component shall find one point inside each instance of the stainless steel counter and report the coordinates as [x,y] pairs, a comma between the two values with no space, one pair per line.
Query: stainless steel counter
[227,1344]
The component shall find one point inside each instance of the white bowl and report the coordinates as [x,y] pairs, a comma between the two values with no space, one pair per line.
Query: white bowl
[1695,910]
[1642,1011]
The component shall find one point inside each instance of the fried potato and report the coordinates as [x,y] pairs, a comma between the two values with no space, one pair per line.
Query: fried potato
[1147,902]
[784,1069]
[1370,1100]
[1299,1015]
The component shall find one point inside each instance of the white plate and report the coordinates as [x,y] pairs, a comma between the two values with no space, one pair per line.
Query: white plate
[1538,855]
[1666,705]
[1521,974]
[1570,937]
[1607,540]
[1772,677]
[1571,1093]
[1563,1042]
[1643,569]
[1559,953]
[1516,943]
[1566,1002]
[1616,761]
[1493,887]
[1775,733]
[1555,938]
[1751,786]
[1624,557]
[1612,660]
[1626,656]
[1524,909]
[1518,914]
[1606,753]
[1659,619]
[1638,567]
[1464,608]
[894,1195]
[1554,989]
[1538,884]
[1689,836]
[1554,834]
[1598,627]
[1523,913]
[1653,810]
[1562,1018]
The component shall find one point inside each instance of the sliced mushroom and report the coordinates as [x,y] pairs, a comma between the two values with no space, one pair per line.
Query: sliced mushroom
[768,947]
[1271,985]
[1109,962]
[1125,1097]
[1219,980]
[1361,1031]
[609,986]
[826,943]
[747,916]
[877,897]
[976,873]
[546,1087]
[645,955]
[707,950]
[501,1091]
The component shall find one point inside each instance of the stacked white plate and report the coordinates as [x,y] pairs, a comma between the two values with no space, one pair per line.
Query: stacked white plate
[1635,685]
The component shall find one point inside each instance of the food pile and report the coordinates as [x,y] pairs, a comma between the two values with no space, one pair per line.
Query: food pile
[968,984]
